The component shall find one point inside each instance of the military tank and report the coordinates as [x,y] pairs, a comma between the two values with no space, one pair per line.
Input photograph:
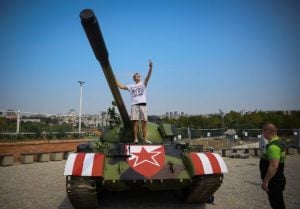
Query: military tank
[114,163]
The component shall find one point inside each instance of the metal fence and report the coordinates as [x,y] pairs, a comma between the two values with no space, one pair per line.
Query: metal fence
[193,133]
[291,136]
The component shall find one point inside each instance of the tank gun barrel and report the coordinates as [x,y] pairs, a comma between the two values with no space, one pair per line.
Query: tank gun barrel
[94,35]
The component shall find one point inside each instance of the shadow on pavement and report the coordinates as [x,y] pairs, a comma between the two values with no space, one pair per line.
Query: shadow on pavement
[139,200]
[65,204]
[253,183]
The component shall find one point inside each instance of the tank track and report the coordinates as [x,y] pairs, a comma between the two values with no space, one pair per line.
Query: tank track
[82,192]
[202,188]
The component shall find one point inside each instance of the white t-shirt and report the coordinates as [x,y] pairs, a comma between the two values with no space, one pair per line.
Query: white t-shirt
[137,93]
[263,144]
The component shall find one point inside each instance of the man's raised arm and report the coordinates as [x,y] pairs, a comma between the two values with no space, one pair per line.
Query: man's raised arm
[149,73]
[121,86]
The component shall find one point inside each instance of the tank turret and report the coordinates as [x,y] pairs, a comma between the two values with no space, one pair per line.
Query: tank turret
[93,32]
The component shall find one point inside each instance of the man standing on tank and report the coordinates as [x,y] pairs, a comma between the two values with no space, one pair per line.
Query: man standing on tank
[137,92]
[272,167]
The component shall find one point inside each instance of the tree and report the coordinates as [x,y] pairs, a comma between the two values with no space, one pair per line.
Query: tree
[235,120]
[113,116]
[7,125]
[232,119]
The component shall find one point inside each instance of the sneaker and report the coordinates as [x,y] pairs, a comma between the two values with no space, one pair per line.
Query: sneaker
[136,141]
[148,142]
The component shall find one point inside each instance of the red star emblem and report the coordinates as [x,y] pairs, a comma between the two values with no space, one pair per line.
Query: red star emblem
[145,157]
[146,160]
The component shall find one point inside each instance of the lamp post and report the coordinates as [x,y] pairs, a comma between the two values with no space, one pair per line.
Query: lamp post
[80,107]
[18,122]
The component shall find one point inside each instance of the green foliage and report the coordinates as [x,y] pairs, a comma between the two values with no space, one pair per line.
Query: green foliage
[61,128]
[7,125]
[39,130]
[237,120]
[213,121]
[114,117]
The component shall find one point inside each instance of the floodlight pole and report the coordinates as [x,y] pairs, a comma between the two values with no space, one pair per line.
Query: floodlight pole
[80,107]
[18,122]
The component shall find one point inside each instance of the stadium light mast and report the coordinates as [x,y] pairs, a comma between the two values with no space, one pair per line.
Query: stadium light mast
[80,107]
[18,122]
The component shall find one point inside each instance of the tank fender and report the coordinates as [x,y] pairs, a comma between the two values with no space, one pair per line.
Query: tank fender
[85,164]
[203,163]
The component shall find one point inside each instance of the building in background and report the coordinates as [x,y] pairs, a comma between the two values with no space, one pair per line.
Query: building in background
[174,115]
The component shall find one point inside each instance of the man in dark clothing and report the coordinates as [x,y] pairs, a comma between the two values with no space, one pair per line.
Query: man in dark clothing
[272,167]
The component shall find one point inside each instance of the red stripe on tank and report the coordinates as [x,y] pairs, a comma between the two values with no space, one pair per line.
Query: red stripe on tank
[98,165]
[78,164]
[198,166]
[214,162]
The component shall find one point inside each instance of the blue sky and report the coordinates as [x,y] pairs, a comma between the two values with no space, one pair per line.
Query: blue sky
[207,55]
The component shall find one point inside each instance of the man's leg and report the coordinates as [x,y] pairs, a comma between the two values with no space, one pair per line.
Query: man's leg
[275,194]
[276,199]
[144,127]
[134,119]
[144,118]
[135,130]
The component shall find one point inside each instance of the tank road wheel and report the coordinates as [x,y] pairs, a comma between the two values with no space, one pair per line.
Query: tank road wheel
[82,192]
[202,188]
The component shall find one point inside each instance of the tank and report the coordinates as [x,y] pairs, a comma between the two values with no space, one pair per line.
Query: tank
[114,163]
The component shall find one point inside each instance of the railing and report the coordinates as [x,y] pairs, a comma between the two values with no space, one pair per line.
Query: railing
[28,136]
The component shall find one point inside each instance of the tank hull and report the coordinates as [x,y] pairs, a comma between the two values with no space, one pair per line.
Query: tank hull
[143,167]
